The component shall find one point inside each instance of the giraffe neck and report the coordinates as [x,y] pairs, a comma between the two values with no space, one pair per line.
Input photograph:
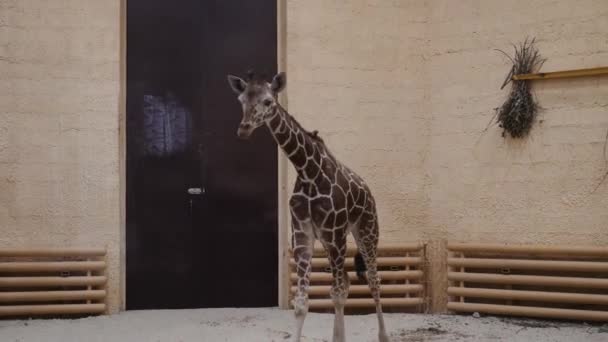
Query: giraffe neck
[301,148]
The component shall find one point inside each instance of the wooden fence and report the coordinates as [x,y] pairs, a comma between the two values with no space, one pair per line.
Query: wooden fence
[52,281]
[562,282]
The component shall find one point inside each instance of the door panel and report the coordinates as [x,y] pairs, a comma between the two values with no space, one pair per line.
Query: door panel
[188,250]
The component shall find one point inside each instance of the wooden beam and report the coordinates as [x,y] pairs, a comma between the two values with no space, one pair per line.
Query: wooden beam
[382,249]
[518,264]
[381,261]
[586,315]
[384,275]
[323,290]
[487,278]
[365,302]
[55,309]
[534,296]
[562,74]
[51,252]
[51,281]
[540,250]
[51,296]
[51,266]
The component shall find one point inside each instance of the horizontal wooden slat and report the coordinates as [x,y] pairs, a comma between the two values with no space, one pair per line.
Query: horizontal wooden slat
[50,296]
[386,248]
[537,296]
[529,280]
[395,248]
[384,275]
[577,251]
[546,265]
[528,311]
[52,266]
[60,309]
[381,261]
[365,302]
[51,252]
[51,281]
[318,290]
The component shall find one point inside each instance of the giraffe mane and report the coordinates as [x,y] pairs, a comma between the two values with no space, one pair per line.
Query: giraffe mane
[315,135]
[253,77]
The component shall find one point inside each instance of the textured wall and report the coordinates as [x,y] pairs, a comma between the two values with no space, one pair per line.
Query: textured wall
[59,145]
[402,91]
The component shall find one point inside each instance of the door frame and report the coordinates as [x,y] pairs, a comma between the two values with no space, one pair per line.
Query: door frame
[283,165]
[122,167]
[282,208]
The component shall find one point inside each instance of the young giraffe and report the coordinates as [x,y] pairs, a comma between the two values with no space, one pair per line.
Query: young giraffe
[328,201]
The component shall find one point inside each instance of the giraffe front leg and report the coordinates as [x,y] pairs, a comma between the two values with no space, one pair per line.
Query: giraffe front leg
[339,291]
[302,250]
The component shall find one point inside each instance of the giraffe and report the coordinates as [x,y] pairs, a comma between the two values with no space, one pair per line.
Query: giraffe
[328,202]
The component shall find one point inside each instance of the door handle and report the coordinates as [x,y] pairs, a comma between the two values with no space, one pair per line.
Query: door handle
[196,191]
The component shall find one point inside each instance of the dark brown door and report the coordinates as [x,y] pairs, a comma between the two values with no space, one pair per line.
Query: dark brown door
[201,204]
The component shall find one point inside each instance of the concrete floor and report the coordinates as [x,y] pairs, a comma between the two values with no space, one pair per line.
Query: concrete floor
[266,325]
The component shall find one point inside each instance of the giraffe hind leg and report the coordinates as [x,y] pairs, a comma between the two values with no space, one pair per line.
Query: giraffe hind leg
[367,243]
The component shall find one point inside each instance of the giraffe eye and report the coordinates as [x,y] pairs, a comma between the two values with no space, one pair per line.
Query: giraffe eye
[267,102]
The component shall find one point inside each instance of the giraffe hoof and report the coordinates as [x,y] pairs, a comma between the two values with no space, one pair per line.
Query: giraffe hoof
[383,338]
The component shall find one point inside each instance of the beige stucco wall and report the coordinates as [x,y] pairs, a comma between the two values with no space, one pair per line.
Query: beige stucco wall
[59,142]
[402,90]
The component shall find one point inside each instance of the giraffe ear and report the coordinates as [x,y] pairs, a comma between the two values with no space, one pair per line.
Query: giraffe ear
[278,82]
[237,84]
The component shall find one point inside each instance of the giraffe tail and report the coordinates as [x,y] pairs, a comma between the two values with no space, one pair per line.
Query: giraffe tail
[360,267]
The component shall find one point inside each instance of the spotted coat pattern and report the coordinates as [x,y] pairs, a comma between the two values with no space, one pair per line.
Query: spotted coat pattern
[329,200]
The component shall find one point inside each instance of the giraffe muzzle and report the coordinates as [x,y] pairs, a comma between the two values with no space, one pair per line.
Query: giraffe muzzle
[244,131]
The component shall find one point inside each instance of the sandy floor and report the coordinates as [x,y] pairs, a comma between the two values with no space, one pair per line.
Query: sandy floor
[265,325]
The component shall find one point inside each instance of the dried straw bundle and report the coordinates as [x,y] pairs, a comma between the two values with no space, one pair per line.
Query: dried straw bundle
[517,115]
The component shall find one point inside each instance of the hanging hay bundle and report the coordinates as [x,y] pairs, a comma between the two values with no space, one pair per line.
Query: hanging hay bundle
[517,115]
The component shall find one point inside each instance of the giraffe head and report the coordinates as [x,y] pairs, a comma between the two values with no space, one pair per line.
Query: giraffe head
[258,99]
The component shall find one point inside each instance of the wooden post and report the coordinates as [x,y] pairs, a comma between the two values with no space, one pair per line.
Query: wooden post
[461,283]
[407,268]
[562,74]
[283,167]
[89,287]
